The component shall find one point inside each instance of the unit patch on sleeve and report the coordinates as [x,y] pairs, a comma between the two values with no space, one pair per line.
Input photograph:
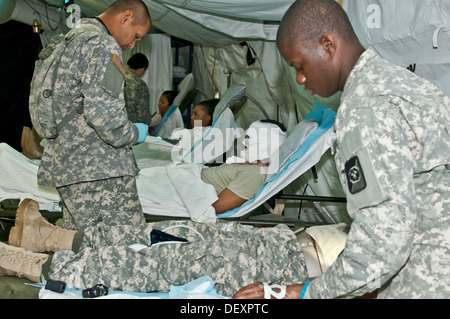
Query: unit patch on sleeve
[114,75]
[118,62]
[355,175]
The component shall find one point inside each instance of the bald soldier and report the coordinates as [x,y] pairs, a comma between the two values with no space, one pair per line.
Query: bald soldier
[91,162]
[392,153]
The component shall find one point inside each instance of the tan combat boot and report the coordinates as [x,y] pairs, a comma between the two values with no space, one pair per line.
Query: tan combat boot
[32,232]
[30,148]
[18,262]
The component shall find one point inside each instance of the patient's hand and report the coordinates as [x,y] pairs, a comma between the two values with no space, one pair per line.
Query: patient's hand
[256,291]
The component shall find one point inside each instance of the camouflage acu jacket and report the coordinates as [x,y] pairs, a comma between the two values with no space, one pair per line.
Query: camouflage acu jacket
[137,98]
[97,144]
[393,151]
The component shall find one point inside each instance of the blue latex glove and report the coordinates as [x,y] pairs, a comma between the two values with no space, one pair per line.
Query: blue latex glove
[143,131]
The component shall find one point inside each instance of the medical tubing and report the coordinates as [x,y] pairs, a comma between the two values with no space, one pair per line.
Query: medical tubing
[303,292]
[168,242]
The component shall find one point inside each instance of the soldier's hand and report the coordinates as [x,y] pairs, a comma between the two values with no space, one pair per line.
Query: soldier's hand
[143,131]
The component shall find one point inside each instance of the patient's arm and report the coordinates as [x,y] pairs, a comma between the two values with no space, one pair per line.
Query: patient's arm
[227,200]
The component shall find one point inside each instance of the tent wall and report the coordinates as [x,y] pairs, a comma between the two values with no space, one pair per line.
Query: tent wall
[413,33]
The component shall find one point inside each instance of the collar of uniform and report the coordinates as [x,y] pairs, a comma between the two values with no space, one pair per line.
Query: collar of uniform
[92,21]
[367,55]
[101,21]
[131,74]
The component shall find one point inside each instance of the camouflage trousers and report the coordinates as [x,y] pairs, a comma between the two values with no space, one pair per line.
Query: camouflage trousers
[232,255]
[104,203]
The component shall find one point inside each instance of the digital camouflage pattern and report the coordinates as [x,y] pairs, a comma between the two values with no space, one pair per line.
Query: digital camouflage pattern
[232,254]
[393,152]
[97,144]
[112,201]
[137,98]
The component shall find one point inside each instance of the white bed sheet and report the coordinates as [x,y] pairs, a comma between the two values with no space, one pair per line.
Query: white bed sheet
[177,191]
[18,180]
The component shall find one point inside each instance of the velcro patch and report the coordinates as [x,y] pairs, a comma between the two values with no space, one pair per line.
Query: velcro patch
[355,175]
[114,77]
[118,62]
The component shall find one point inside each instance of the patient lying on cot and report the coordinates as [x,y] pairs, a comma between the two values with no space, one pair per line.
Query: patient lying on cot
[202,114]
[240,178]
[202,192]
[234,256]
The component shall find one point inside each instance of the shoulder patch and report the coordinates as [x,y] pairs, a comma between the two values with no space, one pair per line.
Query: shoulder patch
[113,78]
[355,175]
[118,62]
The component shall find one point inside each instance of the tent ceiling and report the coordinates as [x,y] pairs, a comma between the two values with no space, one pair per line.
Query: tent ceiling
[415,35]
[209,22]
[249,10]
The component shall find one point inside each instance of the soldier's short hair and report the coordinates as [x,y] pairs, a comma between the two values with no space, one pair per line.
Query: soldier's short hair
[137,61]
[139,8]
[307,20]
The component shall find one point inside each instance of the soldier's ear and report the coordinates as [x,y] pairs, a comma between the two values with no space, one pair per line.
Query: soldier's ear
[127,16]
[328,44]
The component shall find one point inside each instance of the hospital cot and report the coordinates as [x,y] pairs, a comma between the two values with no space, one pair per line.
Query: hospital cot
[301,151]
[223,127]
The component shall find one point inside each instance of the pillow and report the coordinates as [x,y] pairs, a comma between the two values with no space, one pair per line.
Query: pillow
[292,143]
[186,85]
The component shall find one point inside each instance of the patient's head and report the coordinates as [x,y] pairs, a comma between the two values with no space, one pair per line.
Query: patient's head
[166,100]
[262,139]
[202,114]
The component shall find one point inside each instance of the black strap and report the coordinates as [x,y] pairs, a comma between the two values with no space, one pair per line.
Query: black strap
[101,21]
[69,117]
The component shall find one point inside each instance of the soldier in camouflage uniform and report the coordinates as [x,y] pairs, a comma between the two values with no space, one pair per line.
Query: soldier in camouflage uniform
[137,96]
[393,146]
[91,162]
